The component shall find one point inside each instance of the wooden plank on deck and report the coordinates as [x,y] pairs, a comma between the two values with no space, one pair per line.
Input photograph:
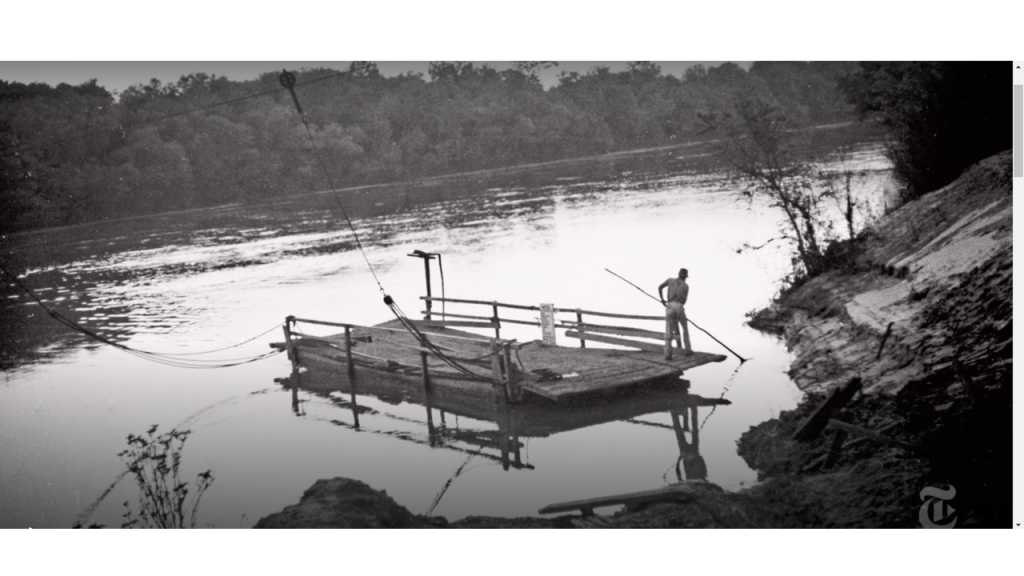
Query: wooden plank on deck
[610,340]
[606,378]
[615,330]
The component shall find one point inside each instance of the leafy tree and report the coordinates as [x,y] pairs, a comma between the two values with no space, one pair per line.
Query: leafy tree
[138,96]
[21,197]
[941,116]
[217,149]
[727,73]
[763,149]
[531,70]
[643,71]
[364,69]
[158,174]
[449,71]
[695,74]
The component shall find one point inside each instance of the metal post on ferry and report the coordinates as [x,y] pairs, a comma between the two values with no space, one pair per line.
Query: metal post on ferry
[579,328]
[426,270]
[292,355]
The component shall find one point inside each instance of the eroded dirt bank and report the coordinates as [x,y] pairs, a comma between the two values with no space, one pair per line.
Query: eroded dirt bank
[925,319]
[923,315]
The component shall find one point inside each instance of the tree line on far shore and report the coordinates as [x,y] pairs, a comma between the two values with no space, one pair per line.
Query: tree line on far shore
[71,154]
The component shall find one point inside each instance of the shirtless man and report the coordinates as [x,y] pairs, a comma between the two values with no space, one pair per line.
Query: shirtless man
[675,311]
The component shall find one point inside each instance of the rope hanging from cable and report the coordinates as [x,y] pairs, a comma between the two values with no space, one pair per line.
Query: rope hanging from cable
[167,359]
[287,80]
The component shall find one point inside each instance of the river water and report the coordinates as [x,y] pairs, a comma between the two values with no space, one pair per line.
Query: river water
[203,280]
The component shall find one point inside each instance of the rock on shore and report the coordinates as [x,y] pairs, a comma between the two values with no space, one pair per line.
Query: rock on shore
[341,503]
[346,503]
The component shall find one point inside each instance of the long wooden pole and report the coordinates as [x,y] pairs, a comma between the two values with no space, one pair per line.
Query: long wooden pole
[426,269]
[742,359]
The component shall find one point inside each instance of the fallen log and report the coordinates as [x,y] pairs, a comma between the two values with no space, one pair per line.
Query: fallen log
[817,422]
[674,492]
[850,444]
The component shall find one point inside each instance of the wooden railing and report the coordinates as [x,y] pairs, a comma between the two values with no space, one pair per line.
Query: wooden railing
[500,358]
[577,328]
[433,335]
[500,361]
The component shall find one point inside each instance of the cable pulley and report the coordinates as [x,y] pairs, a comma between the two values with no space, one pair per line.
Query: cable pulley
[287,79]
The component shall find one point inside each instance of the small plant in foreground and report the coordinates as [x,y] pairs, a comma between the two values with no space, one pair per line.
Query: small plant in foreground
[154,461]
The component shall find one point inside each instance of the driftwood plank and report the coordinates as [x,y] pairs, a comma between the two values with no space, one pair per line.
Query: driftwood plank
[674,492]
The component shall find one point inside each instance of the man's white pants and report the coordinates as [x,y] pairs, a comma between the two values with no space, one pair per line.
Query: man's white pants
[675,314]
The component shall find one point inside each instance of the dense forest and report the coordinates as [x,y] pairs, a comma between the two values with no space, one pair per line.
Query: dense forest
[71,154]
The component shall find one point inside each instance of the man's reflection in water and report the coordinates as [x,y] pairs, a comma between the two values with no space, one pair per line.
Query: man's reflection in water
[690,462]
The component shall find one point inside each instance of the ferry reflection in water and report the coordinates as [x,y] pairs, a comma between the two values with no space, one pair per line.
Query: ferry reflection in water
[497,430]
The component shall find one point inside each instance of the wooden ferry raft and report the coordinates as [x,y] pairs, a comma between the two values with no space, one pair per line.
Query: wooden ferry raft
[513,368]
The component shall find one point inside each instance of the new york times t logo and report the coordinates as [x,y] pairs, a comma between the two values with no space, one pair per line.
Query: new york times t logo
[935,512]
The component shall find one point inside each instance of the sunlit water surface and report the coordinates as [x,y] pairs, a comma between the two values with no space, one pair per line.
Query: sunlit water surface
[194,282]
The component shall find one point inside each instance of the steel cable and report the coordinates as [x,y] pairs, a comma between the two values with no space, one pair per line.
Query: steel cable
[160,358]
